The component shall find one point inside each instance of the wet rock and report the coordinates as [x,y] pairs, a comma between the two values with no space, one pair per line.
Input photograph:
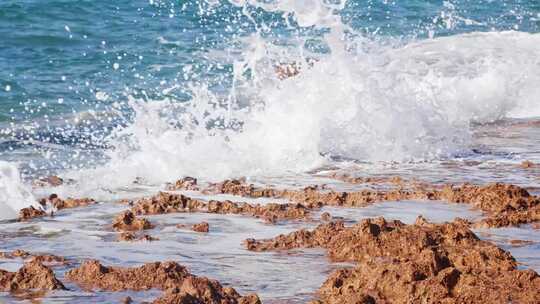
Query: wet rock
[46,259]
[494,198]
[510,218]
[186,183]
[71,202]
[271,212]
[179,285]
[49,181]
[158,275]
[127,221]
[132,237]
[520,243]
[29,213]
[127,300]
[367,180]
[52,203]
[419,263]
[287,70]
[527,164]
[167,203]
[201,227]
[326,217]
[32,276]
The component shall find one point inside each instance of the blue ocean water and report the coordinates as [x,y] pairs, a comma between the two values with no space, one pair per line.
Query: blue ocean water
[61,59]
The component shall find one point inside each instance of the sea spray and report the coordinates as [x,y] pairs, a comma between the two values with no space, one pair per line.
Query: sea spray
[361,99]
[14,194]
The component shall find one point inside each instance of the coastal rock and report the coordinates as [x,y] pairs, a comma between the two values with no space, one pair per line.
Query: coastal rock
[33,275]
[127,221]
[423,262]
[201,227]
[164,203]
[29,213]
[49,181]
[132,237]
[527,164]
[179,285]
[167,203]
[186,183]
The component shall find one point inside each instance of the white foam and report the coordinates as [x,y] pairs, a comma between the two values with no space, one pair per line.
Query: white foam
[14,194]
[364,100]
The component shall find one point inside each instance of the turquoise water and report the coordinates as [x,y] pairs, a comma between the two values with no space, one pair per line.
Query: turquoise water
[67,68]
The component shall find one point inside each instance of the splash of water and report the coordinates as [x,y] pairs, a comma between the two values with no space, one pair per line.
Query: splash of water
[14,194]
[363,99]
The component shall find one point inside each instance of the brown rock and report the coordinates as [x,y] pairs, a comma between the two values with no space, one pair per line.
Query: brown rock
[52,181]
[169,203]
[326,217]
[71,202]
[131,237]
[186,183]
[28,213]
[127,221]
[527,164]
[33,275]
[46,259]
[420,263]
[180,285]
[201,227]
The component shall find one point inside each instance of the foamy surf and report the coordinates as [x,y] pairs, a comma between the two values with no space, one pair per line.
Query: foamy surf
[14,194]
[412,102]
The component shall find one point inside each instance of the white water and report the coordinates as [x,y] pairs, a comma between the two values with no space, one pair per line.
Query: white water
[14,195]
[370,103]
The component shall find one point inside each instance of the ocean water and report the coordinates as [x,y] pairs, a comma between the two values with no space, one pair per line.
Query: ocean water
[105,93]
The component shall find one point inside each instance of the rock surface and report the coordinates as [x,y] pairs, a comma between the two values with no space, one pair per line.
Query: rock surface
[179,285]
[32,276]
[420,263]
[127,221]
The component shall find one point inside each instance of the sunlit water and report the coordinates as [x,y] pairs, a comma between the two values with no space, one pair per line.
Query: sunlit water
[108,93]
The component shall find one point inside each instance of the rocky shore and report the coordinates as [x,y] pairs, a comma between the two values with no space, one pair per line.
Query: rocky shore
[393,262]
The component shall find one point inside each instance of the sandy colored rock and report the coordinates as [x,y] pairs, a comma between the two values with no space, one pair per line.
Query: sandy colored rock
[510,218]
[201,227]
[420,263]
[186,183]
[271,212]
[32,276]
[164,203]
[179,285]
[52,202]
[167,203]
[127,221]
[132,237]
[49,181]
[29,213]
[527,164]
[46,259]
[505,204]
[72,203]
[325,216]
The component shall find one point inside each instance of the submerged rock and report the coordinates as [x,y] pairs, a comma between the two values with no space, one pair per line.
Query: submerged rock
[132,237]
[47,259]
[199,227]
